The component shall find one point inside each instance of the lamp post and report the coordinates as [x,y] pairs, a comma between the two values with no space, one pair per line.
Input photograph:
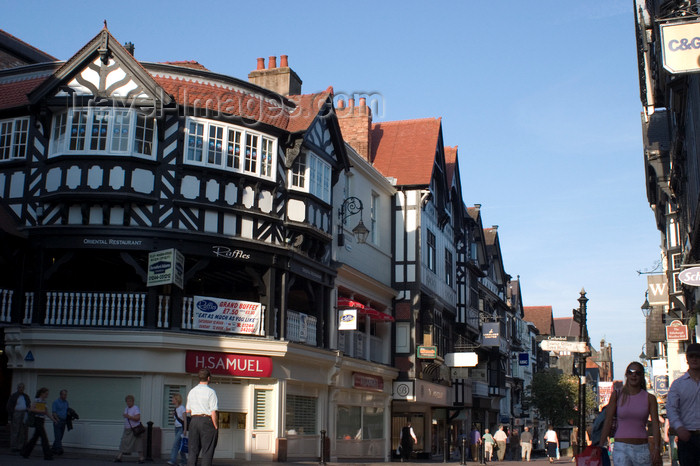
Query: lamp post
[351,206]
[580,317]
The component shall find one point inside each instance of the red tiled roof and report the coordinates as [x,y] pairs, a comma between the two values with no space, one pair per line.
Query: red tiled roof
[406,150]
[37,52]
[226,101]
[14,94]
[308,106]
[195,65]
[541,316]
[450,162]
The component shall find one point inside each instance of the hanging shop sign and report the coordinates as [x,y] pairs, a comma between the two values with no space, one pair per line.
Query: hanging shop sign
[466,359]
[347,319]
[404,390]
[241,365]
[690,276]
[657,287]
[166,267]
[676,331]
[681,46]
[491,335]
[227,315]
[523,359]
[661,384]
[426,352]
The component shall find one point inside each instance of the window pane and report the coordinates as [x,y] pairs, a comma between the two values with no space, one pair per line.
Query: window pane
[266,159]
[120,130]
[233,150]
[78,129]
[299,171]
[195,142]
[59,132]
[5,140]
[216,141]
[98,136]
[251,153]
[20,143]
[301,415]
[144,135]
[349,425]
[373,423]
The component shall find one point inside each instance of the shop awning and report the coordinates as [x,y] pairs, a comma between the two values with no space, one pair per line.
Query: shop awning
[349,303]
[376,315]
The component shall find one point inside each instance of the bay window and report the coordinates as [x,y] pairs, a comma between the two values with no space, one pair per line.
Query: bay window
[229,147]
[312,174]
[103,130]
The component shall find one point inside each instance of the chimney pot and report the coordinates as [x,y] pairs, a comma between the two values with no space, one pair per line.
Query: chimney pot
[341,104]
[272,63]
[351,103]
[363,102]
[261,63]
[284,62]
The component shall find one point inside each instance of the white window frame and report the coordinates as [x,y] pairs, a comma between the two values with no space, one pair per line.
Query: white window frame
[91,130]
[14,134]
[229,147]
[311,174]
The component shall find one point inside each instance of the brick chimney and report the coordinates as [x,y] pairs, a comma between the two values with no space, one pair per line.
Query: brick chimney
[282,80]
[355,123]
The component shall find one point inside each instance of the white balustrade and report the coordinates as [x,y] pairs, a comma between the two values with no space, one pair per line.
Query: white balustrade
[6,305]
[91,309]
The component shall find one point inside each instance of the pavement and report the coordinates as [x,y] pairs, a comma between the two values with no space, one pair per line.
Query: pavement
[96,458]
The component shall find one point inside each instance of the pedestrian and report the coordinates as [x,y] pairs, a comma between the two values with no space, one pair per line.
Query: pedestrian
[59,414]
[489,443]
[632,406]
[526,444]
[683,409]
[407,439]
[180,422]
[17,406]
[475,442]
[551,441]
[39,411]
[514,444]
[202,405]
[500,437]
[130,441]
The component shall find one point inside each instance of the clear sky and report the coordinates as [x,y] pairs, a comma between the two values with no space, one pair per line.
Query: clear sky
[542,99]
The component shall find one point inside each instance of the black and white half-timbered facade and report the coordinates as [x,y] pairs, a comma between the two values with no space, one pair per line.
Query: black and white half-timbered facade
[157,218]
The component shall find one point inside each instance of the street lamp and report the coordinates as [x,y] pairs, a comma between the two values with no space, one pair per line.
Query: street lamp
[351,206]
[646,307]
[583,336]
[643,354]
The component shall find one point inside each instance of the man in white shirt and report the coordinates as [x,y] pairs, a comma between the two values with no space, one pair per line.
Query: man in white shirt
[202,404]
[683,408]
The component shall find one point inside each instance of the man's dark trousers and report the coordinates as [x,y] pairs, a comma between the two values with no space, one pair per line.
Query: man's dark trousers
[202,441]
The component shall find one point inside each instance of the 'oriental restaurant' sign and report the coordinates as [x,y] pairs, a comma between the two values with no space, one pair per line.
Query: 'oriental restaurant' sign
[240,365]
[227,315]
[367,381]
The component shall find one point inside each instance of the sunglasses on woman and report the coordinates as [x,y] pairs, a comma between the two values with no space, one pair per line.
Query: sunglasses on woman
[635,372]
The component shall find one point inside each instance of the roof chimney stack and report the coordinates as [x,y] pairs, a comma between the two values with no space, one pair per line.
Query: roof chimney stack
[355,124]
[282,80]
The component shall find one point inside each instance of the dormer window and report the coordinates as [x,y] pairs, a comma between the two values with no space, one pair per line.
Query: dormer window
[312,174]
[13,138]
[99,130]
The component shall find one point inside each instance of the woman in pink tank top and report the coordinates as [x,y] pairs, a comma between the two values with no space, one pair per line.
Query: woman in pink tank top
[632,407]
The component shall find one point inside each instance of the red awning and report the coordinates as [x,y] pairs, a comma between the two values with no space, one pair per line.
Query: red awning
[347,302]
[376,315]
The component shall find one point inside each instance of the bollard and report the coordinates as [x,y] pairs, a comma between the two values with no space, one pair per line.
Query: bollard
[149,441]
[323,448]
[463,448]
[446,450]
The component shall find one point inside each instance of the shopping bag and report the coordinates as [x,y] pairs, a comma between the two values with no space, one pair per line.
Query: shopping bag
[593,456]
[558,455]
[184,444]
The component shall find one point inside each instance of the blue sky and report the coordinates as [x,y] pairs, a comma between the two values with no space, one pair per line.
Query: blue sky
[542,99]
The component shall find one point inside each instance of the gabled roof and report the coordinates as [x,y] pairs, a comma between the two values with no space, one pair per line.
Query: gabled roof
[308,108]
[450,162]
[192,64]
[566,327]
[15,93]
[23,53]
[406,149]
[542,317]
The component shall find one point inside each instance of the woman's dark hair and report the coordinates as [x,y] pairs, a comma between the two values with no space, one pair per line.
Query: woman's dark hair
[41,391]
